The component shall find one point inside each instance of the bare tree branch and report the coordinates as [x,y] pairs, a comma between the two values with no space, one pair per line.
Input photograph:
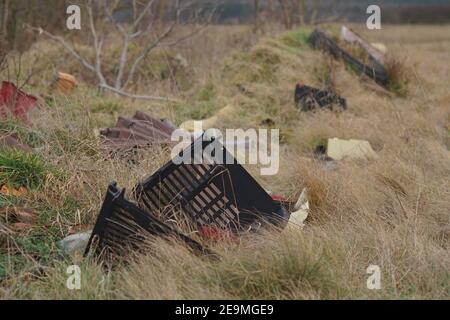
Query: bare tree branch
[142,25]
[136,96]
[166,34]
[98,45]
[126,41]
[191,34]
[123,60]
[67,46]
[142,15]
[147,50]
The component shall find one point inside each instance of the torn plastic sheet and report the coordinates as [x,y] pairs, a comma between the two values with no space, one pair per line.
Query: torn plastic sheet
[301,210]
[339,149]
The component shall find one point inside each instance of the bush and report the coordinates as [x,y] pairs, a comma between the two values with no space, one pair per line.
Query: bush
[296,39]
[19,169]
[398,77]
[106,107]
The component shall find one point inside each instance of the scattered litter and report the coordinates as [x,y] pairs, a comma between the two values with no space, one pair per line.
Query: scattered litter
[245,149]
[137,132]
[276,197]
[121,226]
[352,37]
[15,101]
[301,208]
[282,202]
[75,243]
[10,141]
[339,149]
[65,83]
[308,98]
[376,70]
[10,191]
[212,122]
[380,47]
[221,195]
[215,234]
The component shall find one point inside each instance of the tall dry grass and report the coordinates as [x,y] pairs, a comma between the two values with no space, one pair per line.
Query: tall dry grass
[392,211]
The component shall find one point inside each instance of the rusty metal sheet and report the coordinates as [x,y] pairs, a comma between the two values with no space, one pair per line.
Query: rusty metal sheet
[143,128]
[162,125]
[138,132]
[123,133]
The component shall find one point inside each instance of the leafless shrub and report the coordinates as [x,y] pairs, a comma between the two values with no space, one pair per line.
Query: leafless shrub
[145,26]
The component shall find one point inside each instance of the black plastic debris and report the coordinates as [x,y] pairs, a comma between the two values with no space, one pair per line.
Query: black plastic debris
[210,193]
[351,37]
[308,98]
[122,226]
[138,132]
[376,70]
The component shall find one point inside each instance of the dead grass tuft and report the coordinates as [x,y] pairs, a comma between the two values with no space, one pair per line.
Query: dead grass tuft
[392,211]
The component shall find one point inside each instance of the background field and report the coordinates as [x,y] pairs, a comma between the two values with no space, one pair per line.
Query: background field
[392,212]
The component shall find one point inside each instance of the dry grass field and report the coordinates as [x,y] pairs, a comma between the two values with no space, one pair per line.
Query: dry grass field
[393,211]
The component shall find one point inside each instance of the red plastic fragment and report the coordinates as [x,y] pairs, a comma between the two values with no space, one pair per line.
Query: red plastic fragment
[15,101]
[278,198]
[215,234]
[282,201]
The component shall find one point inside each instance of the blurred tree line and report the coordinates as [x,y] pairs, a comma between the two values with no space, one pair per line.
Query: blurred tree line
[51,14]
[14,14]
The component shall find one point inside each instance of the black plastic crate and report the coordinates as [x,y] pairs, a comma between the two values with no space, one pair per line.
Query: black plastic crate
[308,98]
[210,194]
[122,226]
[376,70]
